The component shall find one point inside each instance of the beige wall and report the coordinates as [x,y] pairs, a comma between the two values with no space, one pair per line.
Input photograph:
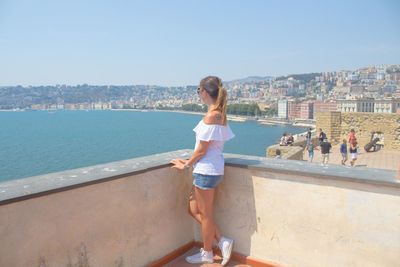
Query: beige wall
[297,220]
[338,125]
[287,152]
[330,123]
[294,152]
[293,217]
[125,222]
[365,123]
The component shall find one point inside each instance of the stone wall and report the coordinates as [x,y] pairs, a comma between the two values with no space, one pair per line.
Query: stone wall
[294,152]
[365,123]
[287,152]
[330,123]
[337,126]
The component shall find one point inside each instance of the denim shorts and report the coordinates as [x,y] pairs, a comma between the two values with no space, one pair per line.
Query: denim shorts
[205,182]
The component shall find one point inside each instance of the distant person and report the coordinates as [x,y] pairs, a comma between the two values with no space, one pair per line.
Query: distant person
[352,139]
[353,154]
[308,136]
[283,141]
[290,140]
[375,144]
[325,149]
[278,154]
[321,136]
[310,148]
[207,161]
[343,151]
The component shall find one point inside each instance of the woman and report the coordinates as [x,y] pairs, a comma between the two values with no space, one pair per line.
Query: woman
[208,168]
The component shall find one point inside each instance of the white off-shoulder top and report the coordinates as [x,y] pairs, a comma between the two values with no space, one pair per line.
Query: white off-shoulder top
[212,163]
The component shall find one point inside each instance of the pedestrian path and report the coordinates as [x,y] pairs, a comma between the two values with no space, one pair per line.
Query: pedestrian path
[389,160]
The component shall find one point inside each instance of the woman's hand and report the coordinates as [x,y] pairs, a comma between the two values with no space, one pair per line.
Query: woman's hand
[178,164]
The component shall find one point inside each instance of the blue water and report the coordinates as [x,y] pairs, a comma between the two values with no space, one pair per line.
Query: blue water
[39,142]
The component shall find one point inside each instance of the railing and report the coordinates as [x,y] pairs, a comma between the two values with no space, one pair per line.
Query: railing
[134,212]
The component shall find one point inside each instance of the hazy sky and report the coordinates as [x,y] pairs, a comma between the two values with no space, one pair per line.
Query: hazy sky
[178,42]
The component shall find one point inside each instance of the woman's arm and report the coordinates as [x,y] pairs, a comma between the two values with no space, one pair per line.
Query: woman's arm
[213,117]
[200,151]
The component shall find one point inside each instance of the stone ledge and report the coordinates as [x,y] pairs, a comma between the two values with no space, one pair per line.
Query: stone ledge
[24,188]
[315,170]
[30,187]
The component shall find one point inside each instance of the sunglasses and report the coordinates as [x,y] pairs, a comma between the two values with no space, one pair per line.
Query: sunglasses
[198,90]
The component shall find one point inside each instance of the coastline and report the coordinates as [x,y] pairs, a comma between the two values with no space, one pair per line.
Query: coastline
[280,122]
[230,117]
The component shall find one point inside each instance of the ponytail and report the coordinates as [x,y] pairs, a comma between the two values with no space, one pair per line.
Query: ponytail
[222,102]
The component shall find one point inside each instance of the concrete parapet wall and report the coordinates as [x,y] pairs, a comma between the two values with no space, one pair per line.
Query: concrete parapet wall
[287,152]
[294,152]
[133,212]
[128,221]
[301,214]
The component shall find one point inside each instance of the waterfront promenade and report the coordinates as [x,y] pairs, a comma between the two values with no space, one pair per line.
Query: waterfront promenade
[389,160]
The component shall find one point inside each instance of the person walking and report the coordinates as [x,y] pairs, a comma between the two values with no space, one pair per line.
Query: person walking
[343,151]
[321,136]
[353,154]
[325,149]
[208,169]
[310,148]
[308,136]
[352,138]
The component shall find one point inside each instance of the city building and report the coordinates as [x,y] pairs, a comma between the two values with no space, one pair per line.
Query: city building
[386,105]
[293,109]
[283,109]
[356,105]
[324,106]
[306,110]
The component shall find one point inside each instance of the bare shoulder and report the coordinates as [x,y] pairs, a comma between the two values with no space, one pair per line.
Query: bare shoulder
[213,117]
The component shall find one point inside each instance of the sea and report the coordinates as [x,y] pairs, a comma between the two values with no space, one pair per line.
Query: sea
[39,142]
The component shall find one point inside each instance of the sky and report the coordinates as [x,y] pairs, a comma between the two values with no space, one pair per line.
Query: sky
[174,43]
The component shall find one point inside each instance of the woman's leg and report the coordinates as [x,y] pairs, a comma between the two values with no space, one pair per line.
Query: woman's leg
[194,212]
[205,204]
[192,207]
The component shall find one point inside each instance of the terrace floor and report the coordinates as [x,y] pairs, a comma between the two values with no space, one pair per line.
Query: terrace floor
[180,261]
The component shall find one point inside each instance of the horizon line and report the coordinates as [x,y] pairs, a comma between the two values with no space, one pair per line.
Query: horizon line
[158,85]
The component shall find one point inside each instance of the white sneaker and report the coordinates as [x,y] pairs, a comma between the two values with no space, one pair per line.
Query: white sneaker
[201,257]
[225,245]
